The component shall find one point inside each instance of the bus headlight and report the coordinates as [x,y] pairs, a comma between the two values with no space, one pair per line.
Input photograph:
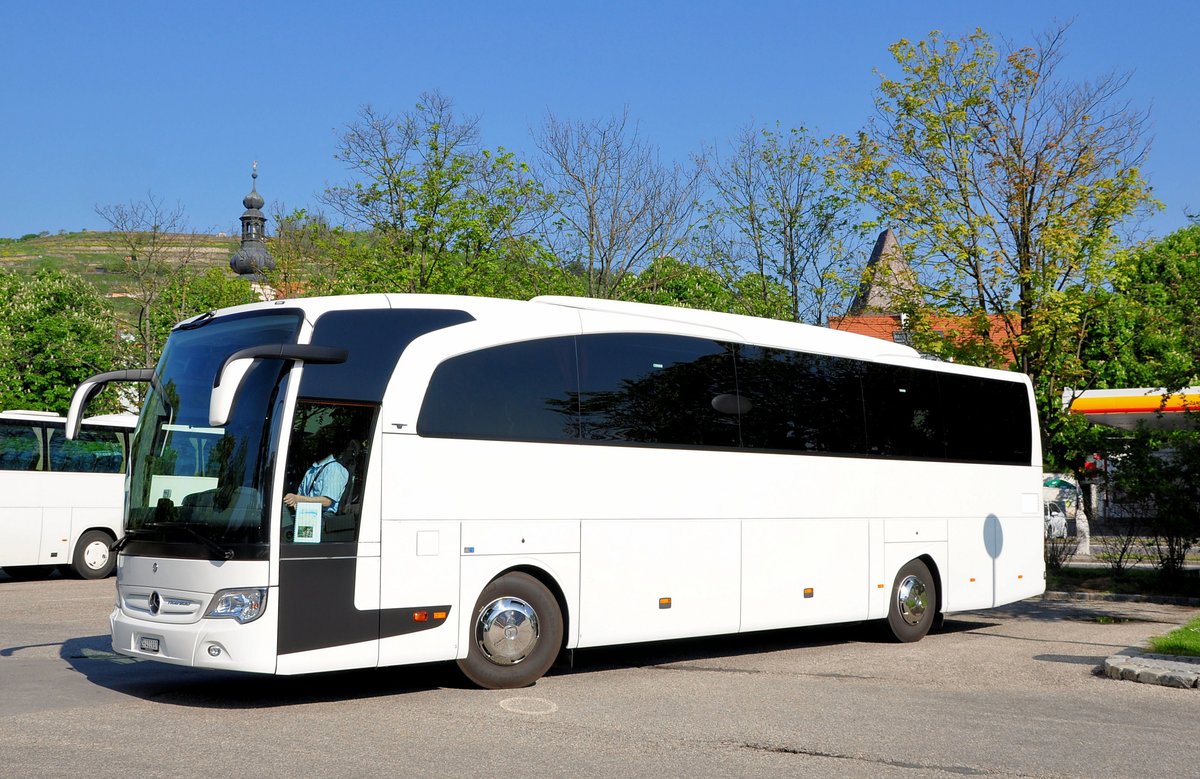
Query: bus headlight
[245,605]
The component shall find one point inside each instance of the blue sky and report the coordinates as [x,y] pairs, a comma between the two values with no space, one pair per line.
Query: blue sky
[103,103]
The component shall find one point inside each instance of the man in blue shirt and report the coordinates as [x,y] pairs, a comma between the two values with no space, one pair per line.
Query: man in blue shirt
[323,483]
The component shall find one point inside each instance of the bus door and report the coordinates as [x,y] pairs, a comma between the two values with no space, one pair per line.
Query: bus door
[328,581]
[329,571]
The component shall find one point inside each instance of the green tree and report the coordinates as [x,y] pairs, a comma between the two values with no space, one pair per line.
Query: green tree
[188,292]
[671,282]
[1159,480]
[781,212]
[55,331]
[1147,333]
[614,207]
[1008,186]
[444,214]
[154,241]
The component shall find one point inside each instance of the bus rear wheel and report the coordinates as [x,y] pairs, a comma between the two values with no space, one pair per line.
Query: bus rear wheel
[516,632]
[93,559]
[913,607]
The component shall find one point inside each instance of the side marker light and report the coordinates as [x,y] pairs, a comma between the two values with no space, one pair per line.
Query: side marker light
[420,616]
[808,592]
[664,603]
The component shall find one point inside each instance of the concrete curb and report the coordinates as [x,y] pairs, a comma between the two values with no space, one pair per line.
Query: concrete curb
[1134,665]
[1138,665]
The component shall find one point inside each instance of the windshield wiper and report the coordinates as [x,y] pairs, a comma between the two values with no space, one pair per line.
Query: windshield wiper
[120,543]
[225,552]
[195,322]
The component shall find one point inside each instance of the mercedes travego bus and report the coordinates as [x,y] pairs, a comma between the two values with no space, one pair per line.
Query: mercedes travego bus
[519,478]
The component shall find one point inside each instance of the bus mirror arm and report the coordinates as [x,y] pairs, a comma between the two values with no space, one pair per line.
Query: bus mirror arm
[229,379]
[88,388]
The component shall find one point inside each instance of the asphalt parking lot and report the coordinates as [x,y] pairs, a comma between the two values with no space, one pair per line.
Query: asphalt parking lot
[1008,692]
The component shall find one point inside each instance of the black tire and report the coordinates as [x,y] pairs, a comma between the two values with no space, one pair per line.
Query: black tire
[515,635]
[92,558]
[913,607]
[27,573]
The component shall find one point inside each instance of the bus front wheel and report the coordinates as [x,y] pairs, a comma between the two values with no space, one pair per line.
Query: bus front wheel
[92,558]
[516,632]
[913,607]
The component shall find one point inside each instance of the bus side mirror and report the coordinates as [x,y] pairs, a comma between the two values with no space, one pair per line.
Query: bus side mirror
[90,386]
[229,379]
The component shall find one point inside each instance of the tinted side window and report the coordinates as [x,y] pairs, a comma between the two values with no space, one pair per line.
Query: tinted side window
[20,449]
[987,421]
[94,450]
[524,391]
[800,402]
[657,389]
[904,413]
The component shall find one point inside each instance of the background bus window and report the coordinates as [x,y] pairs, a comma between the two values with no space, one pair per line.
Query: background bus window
[20,449]
[320,431]
[92,451]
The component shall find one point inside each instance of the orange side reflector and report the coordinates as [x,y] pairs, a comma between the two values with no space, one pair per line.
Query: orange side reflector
[972,578]
[880,586]
[1020,576]
[439,615]
[420,616]
[664,603]
[808,592]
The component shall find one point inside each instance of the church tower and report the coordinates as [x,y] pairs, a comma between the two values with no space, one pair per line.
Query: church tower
[252,258]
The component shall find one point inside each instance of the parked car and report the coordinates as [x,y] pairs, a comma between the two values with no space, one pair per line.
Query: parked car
[1055,520]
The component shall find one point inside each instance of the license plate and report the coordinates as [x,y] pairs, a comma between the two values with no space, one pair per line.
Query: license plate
[148,644]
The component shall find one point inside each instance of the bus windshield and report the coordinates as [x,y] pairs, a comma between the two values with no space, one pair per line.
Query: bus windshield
[197,490]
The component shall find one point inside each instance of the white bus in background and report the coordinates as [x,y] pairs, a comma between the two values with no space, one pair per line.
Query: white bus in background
[61,501]
[531,477]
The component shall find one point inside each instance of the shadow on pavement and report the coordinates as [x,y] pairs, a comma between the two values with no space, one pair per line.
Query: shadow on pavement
[93,657]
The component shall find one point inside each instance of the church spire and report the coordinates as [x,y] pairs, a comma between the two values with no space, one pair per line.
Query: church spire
[252,258]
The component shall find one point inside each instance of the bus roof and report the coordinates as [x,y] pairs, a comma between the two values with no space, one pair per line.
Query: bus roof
[112,420]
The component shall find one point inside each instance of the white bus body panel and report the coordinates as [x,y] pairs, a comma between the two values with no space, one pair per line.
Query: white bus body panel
[734,539]
[422,567]
[784,558]
[629,564]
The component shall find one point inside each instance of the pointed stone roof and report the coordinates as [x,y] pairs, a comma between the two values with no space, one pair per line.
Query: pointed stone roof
[886,278]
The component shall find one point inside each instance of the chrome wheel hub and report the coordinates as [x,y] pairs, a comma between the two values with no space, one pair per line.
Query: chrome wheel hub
[912,599]
[507,630]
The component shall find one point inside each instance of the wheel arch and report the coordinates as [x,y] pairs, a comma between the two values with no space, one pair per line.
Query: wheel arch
[105,529]
[549,581]
[938,582]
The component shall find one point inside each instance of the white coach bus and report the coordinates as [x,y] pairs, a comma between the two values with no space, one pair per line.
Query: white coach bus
[60,500]
[520,478]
